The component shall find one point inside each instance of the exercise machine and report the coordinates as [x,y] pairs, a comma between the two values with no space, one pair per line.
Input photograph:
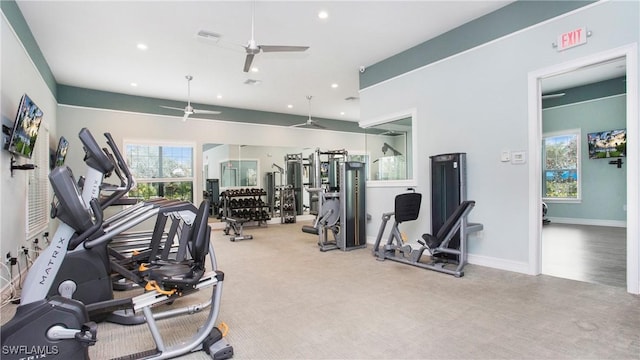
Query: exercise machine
[447,242]
[341,203]
[293,174]
[59,328]
[94,285]
[407,208]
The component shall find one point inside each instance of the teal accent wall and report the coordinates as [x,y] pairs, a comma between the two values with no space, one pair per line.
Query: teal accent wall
[75,96]
[604,186]
[511,18]
[598,90]
[14,16]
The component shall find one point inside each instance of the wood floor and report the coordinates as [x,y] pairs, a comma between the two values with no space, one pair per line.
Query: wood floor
[594,254]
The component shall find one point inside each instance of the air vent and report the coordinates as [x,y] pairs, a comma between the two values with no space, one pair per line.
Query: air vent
[211,36]
[253,82]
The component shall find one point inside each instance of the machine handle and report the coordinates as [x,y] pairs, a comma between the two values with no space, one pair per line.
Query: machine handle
[97,225]
[123,166]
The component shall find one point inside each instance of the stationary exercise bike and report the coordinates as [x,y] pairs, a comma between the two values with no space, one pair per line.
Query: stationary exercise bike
[59,328]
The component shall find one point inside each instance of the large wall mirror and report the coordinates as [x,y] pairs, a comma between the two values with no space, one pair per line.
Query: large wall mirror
[390,145]
[228,166]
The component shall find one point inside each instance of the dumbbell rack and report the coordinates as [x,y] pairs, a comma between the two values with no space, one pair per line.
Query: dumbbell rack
[287,205]
[240,206]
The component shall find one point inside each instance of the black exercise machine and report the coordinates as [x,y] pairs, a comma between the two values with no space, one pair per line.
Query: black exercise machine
[407,208]
[59,327]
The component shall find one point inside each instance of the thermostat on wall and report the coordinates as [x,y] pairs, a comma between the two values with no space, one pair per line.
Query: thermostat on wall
[518,157]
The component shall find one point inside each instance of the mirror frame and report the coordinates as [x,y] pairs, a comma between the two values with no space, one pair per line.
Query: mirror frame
[412,180]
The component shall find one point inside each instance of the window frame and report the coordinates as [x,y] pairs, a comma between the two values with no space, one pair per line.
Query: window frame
[165,180]
[567,132]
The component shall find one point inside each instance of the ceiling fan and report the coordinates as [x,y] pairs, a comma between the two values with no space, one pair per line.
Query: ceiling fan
[310,121]
[252,48]
[189,110]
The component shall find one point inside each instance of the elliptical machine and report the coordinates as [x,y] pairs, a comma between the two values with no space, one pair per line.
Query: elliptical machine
[58,327]
[93,286]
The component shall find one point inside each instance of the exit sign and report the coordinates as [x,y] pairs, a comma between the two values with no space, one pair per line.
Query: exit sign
[571,38]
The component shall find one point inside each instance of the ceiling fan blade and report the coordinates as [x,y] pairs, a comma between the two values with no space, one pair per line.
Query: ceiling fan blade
[552,96]
[172,108]
[276,48]
[247,62]
[317,125]
[211,112]
[185,117]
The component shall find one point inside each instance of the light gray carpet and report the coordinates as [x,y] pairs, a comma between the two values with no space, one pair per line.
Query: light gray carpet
[284,299]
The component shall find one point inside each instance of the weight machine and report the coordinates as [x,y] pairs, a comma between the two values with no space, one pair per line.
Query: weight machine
[340,199]
[447,242]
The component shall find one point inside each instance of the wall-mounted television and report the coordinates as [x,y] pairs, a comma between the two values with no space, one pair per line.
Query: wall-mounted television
[25,128]
[607,144]
[61,152]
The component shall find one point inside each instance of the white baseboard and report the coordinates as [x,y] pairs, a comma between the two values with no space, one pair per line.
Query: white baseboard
[593,222]
[487,261]
[500,264]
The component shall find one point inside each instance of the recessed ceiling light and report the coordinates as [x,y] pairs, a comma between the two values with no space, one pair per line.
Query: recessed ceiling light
[341,112]
[142,46]
[290,106]
[134,84]
[219,96]
[323,14]
[334,85]
[254,69]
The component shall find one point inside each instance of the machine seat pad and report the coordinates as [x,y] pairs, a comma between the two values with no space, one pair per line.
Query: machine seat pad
[176,276]
[407,207]
[433,241]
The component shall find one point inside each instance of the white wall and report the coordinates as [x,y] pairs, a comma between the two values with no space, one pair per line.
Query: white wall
[476,102]
[134,126]
[19,76]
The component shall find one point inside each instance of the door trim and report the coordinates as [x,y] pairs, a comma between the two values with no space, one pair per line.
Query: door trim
[630,52]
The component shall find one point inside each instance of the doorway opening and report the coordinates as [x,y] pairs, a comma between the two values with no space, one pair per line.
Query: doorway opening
[537,81]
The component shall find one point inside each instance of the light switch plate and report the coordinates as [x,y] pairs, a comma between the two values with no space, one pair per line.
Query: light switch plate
[505,156]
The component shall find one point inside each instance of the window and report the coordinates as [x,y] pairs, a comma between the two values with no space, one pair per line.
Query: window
[390,145]
[38,187]
[561,166]
[161,170]
[239,173]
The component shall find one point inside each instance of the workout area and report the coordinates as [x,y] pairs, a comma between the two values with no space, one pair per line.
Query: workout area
[169,192]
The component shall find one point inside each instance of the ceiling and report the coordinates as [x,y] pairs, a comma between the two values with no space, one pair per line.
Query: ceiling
[589,74]
[93,44]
